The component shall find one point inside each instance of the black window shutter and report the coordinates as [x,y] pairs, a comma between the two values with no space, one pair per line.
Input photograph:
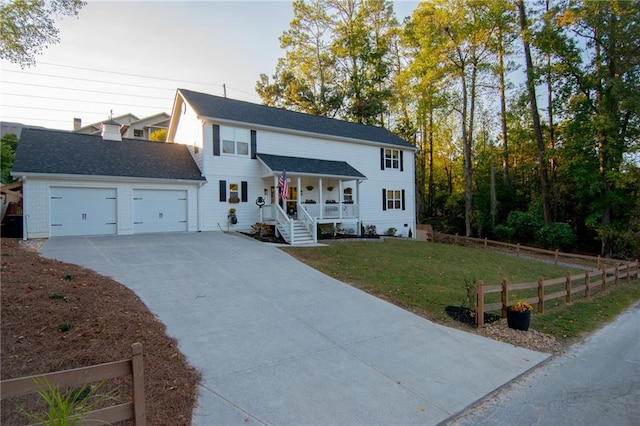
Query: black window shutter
[254,144]
[403,199]
[384,199]
[216,140]
[244,196]
[381,158]
[401,162]
[223,190]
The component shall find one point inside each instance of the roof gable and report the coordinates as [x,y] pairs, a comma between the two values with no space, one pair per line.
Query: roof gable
[66,153]
[216,107]
[310,166]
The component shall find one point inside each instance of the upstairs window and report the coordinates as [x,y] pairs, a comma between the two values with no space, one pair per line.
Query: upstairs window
[235,141]
[391,158]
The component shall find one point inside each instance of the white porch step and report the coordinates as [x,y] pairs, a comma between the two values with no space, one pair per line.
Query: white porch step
[300,233]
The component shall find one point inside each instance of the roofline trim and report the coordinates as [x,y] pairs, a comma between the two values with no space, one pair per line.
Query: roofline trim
[305,133]
[293,172]
[103,178]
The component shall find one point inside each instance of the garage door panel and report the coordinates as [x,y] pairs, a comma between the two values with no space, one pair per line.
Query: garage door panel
[83,211]
[159,210]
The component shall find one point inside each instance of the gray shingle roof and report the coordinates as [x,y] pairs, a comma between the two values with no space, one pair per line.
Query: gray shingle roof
[310,166]
[214,107]
[59,152]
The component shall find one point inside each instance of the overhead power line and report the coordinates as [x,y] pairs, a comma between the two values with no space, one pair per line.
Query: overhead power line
[79,100]
[91,91]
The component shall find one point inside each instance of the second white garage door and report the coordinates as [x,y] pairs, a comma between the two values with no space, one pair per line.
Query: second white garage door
[156,210]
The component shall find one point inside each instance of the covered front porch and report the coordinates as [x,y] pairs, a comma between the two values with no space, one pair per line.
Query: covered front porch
[318,192]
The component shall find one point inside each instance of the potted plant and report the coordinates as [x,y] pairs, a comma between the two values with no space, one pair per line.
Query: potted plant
[309,187]
[519,316]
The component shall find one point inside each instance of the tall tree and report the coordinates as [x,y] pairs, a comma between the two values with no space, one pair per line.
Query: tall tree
[459,33]
[306,78]
[28,27]
[535,114]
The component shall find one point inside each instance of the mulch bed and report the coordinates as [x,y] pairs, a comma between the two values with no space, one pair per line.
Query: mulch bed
[468,316]
[57,316]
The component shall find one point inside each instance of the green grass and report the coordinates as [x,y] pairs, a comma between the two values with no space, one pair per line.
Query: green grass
[426,277]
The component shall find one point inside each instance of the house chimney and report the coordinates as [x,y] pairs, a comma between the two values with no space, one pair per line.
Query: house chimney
[77,123]
[111,131]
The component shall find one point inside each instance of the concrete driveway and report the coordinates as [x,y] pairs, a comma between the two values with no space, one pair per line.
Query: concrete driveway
[280,343]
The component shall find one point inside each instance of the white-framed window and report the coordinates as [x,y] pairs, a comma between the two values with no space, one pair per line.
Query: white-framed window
[235,141]
[392,158]
[394,199]
[234,193]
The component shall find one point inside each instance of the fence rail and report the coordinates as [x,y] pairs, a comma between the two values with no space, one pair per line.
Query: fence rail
[133,367]
[587,281]
[520,250]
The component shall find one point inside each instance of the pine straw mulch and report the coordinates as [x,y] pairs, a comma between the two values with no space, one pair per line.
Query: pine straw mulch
[41,296]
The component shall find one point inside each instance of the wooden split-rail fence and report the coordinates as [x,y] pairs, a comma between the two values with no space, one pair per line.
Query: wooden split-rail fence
[134,409]
[584,283]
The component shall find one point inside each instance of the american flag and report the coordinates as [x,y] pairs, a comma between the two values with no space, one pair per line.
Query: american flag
[284,190]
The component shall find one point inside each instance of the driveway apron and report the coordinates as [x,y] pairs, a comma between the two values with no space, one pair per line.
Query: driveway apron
[280,343]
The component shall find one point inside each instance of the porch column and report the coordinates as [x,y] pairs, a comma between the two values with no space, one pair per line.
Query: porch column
[298,193]
[356,200]
[320,197]
[340,196]
[276,193]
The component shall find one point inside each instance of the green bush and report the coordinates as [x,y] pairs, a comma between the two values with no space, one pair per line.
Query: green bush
[557,236]
[525,226]
[503,233]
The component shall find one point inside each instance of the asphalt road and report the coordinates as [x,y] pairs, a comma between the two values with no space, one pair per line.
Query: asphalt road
[597,382]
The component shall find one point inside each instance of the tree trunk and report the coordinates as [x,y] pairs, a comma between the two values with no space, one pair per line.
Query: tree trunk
[535,116]
[503,113]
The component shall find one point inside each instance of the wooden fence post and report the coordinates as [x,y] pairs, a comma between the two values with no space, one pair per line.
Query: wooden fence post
[628,272]
[455,240]
[604,279]
[599,261]
[555,257]
[505,296]
[485,243]
[480,303]
[138,384]
[518,250]
[567,299]
[617,275]
[541,295]
[587,283]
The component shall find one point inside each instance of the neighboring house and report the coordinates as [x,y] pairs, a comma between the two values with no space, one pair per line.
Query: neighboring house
[223,156]
[131,127]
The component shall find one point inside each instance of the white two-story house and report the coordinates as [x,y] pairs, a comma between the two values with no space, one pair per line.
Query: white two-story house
[221,169]
[341,173]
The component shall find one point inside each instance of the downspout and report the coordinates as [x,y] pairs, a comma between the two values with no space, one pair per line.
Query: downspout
[25,228]
[199,215]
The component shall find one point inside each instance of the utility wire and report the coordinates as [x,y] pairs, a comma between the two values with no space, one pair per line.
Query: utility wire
[87,90]
[77,100]
[90,80]
[127,74]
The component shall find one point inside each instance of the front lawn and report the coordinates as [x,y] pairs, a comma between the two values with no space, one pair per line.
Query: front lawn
[426,277]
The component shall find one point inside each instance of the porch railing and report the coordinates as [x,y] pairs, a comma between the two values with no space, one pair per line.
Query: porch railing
[308,221]
[331,211]
[284,224]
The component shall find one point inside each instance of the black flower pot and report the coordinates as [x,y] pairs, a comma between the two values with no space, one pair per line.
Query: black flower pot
[518,320]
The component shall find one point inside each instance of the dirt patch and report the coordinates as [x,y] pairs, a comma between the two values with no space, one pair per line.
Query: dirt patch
[57,316]
[496,328]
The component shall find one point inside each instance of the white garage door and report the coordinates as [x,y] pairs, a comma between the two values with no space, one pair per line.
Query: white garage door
[159,210]
[83,211]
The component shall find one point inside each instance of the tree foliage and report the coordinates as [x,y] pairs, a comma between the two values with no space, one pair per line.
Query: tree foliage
[566,124]
[8,145]
[28,27]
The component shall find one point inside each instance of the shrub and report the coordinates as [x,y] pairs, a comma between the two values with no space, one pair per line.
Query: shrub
[391,232]
[503,233]
[557,236]
[525,225]
[371,230]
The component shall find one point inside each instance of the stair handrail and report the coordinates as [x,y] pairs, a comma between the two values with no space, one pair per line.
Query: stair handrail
[283,220]
[309,221]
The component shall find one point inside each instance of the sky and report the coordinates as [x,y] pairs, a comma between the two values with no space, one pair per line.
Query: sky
[130,57]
